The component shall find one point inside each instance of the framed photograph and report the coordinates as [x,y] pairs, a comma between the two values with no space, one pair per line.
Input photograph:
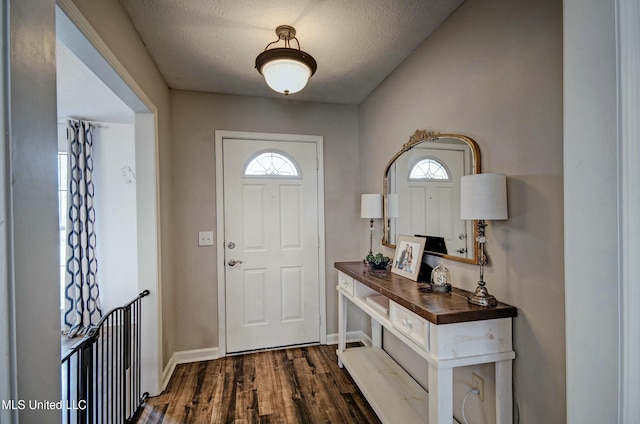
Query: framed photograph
[408,256]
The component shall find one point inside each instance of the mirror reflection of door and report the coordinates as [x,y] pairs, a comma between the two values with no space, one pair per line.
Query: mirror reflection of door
[427,182]
[271,249]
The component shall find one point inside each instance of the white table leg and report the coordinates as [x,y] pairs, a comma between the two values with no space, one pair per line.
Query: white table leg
[504,396]
[376,333]
[440,395]
[342,325]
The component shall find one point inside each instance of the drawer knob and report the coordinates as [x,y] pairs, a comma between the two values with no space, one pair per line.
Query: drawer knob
[406,322]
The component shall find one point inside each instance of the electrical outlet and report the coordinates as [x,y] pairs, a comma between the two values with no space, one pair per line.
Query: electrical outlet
[478,383]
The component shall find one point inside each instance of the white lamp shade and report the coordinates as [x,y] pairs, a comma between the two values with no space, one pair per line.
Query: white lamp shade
[371,206]
[286,75]
[483,196]
[393,206]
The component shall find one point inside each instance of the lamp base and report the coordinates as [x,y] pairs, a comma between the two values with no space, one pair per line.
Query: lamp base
[482,297]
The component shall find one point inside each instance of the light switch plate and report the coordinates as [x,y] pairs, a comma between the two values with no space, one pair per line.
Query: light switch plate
[205,238]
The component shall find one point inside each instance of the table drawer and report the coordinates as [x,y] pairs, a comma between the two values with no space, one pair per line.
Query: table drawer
[346,283]
[411,325]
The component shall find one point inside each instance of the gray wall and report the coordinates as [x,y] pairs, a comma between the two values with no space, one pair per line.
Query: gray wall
[33,205]
[195,118]
[493,71]
[591,211]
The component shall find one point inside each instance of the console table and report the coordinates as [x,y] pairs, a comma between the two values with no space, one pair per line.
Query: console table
[443,328]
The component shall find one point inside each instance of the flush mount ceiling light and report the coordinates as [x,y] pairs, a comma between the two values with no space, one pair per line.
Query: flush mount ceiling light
[285,69]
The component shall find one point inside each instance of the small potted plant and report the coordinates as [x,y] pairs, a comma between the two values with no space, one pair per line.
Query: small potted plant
[377,261]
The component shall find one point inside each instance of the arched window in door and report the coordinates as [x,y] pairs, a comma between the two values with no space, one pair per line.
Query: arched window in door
[271,164]
[429,169]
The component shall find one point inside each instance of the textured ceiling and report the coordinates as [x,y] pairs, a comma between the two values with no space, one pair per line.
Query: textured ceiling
[211,45]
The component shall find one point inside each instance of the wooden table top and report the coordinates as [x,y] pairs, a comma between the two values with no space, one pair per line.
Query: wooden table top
[438,308]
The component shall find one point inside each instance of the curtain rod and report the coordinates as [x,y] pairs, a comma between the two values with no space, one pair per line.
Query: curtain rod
[93,124]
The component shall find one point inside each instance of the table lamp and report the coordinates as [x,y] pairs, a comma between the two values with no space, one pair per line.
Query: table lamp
[483,197]
[371,207]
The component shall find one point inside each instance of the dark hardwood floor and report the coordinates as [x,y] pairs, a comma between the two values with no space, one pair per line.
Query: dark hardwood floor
[298,385]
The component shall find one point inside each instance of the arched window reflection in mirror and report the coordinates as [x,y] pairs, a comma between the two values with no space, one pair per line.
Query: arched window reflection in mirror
[429,169]
[271,164]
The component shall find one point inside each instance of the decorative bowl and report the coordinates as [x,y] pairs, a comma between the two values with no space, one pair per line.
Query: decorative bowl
[378,261]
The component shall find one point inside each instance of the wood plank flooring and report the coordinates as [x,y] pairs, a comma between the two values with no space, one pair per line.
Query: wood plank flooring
[298,385]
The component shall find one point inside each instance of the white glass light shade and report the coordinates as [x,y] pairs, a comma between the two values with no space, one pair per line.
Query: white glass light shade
[371,206]
[393,206]
[286,75]
[483,196]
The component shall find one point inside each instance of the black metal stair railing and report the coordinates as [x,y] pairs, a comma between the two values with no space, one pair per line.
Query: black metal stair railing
[101,373]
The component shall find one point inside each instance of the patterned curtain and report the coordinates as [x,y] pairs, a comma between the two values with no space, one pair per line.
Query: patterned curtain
[82,304]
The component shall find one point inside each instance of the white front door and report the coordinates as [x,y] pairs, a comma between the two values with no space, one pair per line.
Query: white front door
[271,243]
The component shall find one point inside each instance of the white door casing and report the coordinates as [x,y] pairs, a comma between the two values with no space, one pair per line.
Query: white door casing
[274,295]
[628,42]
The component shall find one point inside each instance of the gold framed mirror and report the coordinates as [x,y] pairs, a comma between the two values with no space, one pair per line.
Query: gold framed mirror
[422,194]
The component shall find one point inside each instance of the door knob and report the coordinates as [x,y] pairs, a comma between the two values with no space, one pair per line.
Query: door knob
[232,262]
[462,250]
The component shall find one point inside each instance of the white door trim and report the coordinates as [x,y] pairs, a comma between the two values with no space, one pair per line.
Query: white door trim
[220,236]
[628,39]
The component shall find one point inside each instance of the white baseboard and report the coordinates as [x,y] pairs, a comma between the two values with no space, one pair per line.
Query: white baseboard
[168,372]
[352,336]
[185,357]
[197,355]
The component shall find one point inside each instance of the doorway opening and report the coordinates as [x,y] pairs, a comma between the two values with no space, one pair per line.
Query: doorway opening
[95,89]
